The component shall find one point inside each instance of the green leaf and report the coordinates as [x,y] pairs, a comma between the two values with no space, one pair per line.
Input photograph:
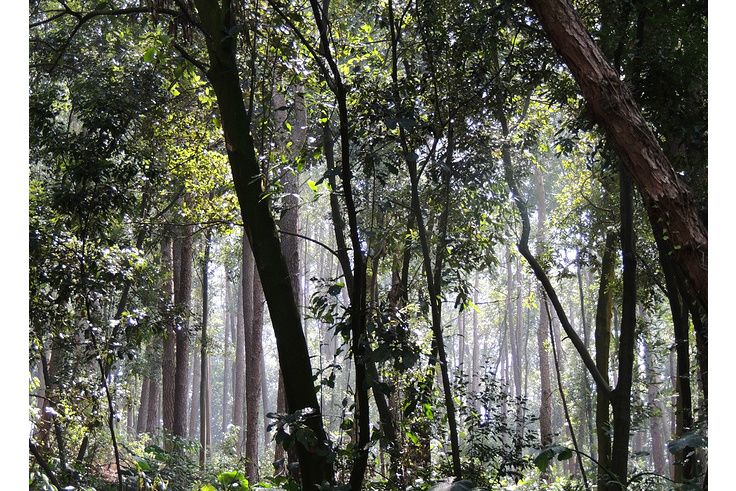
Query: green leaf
[149,54]
[546,454]
[312,185]
[233,480]
[208,487]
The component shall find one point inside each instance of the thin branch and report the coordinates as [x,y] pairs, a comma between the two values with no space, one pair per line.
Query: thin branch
[62,13]
[191,59]
[328,248]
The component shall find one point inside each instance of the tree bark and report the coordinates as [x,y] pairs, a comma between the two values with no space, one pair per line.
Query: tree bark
[168,361]
[602,353]
[140,426]
[254,341]
[194,406]
[204,389]
[245,323]
[666,197]
[543,330]
[183,302]
[621,397]
[654,384]
[226,357]
[152,414]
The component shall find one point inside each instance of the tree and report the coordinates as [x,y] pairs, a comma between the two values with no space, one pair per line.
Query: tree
[667,199]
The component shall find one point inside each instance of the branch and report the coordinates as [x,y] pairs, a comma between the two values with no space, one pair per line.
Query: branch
[328,248]
[316,56]
[83,19]
[191,59]
[523,246]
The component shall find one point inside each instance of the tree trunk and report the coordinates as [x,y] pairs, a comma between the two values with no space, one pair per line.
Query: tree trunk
[254,341]
[204,389]
[154,394]
[196,387]
[654,386]
[545,403]
[602,349]
[475,373]
[183,302]
[587,407]
[168,361]
[666,197]
[140,426]
[226,357]
[247,278]
[621,397]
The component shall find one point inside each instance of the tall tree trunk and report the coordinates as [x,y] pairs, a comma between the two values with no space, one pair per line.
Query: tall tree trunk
[289,224]
[168,361]
[621,397]
[666,197]
[247,279]
[654,385]
[204,389]
[194,406]
[685,467]
[253,378]
[587,407]
[545,403]
[264,398]
[261,230]
[183,302]
[461,342]
[475,373]
[602,353]
[226,357]
[154,393]
[433,279]
[140,426]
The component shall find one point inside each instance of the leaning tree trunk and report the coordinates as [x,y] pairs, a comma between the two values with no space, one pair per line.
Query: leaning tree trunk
[666,197]
[291,344]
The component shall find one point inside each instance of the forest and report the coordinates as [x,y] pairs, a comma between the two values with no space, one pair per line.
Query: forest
[368,245]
